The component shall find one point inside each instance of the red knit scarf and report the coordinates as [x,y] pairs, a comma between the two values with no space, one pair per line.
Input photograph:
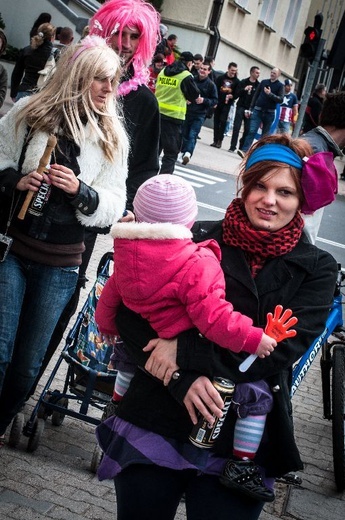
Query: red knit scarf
[257,245]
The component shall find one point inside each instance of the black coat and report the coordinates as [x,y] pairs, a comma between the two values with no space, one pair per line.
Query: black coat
[30,61]
[142,120]
[312,113]
[302,280]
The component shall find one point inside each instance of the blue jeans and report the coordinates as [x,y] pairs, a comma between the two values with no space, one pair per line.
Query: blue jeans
[33,297]
[190,132]
[284,127]
[258,117]
[26,93]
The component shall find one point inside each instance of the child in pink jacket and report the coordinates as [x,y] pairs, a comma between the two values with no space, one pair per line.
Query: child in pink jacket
[160,273]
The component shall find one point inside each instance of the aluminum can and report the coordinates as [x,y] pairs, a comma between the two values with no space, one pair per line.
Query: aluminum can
[203,434]
[40,198]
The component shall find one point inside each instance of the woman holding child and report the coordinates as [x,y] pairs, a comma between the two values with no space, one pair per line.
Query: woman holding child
[266,261]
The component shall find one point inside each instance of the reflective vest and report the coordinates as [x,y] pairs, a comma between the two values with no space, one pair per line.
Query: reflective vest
[170,98]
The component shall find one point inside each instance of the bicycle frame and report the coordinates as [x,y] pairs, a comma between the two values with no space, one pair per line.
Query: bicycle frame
[333,325]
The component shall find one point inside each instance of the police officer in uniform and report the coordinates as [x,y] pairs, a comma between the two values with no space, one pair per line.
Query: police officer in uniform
[175,87]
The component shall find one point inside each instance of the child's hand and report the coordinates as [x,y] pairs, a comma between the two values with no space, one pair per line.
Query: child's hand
[128,216]
[108,339]
[266,346]
[278,325]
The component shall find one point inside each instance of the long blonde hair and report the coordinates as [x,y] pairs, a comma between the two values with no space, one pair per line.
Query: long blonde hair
[64,104]
[45,32]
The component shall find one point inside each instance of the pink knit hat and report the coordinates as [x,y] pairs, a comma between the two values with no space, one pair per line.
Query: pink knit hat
[166,198]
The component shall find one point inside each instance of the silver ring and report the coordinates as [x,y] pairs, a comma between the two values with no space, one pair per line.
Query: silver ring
[176,375]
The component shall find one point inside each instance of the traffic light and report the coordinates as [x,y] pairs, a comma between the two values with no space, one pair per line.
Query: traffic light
[312,39]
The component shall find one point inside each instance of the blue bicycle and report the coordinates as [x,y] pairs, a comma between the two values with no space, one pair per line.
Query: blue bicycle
[332,345]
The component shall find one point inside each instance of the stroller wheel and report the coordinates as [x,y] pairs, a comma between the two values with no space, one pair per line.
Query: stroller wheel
[16,430]
[36,435]
[58,417]
[43,410]
[97,456]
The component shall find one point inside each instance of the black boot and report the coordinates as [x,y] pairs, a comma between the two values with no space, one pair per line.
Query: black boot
[245,478]
[110,409]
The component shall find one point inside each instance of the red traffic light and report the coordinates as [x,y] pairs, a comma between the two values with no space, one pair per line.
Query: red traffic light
[311,34]
[311,42]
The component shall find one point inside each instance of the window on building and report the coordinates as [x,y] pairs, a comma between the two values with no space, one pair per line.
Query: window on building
[241,3]
[291,20]
[268,11]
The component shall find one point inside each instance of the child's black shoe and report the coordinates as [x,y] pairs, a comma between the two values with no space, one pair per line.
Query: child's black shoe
[244,477]
[110,409]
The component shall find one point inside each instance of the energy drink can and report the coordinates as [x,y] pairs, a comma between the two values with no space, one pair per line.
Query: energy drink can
[203,434]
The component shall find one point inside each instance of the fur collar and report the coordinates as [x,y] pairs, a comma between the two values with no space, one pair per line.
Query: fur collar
[143,230]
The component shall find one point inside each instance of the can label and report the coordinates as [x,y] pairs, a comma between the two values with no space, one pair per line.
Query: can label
[40,199]
[203,433]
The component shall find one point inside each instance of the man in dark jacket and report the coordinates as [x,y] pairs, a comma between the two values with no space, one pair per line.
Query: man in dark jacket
[175,86]
[226,86]
[329,136]
[245,92]
[263,106]
[197,110]
[314,107]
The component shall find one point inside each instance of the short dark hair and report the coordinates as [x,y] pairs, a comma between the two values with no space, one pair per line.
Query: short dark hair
[207,63]
[66,35]
[319,88]
[172,37]
[253,68]
[332,113]
[232,64]
[198,57]
[157,58]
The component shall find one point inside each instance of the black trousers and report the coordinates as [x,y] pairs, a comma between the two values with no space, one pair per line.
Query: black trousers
[170,143]
[239,117]
[150,492]
[219,122]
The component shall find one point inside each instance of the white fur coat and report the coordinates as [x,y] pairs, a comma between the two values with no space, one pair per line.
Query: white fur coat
[108,179]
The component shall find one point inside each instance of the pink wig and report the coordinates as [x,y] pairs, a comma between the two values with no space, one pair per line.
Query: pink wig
[114,15]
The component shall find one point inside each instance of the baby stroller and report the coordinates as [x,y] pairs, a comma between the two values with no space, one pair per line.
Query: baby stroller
[89,380]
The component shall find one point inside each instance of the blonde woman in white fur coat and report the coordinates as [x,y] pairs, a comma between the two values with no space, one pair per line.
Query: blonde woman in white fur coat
[84,185]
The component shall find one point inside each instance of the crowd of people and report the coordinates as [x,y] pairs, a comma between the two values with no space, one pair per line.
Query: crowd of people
[242,109]
[248,107]
[38,59]
[189,299]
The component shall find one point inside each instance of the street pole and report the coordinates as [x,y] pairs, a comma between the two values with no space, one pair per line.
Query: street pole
[308,87]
